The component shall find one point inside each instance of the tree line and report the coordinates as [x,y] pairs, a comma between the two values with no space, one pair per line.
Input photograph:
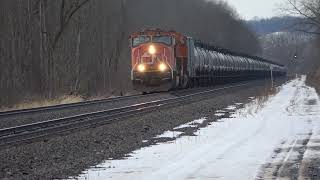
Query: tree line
[52,48]
[274,24]
[309,24]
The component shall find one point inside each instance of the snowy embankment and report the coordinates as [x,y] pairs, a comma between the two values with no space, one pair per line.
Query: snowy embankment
[232,148]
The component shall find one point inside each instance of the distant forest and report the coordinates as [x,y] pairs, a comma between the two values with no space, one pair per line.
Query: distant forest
[275,24]
[280,42]
[291,41]
[51,48]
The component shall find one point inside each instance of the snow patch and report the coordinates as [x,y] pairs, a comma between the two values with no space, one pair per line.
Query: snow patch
[220,111]
[236,148]
[231,108]
[219,114]
[176,133]
[169,134]
[194,123]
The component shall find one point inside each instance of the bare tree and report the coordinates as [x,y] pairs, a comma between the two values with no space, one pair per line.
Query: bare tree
[53,48]
[66,14]
[309,10]
[283,47]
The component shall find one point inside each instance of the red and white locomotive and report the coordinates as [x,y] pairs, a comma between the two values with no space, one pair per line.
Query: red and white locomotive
[164,60]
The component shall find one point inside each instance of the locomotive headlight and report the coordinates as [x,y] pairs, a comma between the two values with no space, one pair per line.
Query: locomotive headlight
[141,67]
[152,49]
[163,67]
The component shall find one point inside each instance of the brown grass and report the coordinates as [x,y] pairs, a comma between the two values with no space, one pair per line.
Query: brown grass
[41,103]
[34,102]
[314,80]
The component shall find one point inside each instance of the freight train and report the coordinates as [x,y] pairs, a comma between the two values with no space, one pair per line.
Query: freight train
[164,60]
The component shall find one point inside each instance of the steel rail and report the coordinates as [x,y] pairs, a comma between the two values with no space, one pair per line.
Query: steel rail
[21,112]
[5,114]
[35,130]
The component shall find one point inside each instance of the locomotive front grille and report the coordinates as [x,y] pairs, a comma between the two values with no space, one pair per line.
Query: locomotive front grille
[152,78]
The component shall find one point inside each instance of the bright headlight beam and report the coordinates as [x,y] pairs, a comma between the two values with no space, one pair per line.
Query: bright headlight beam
[152,49]
[162,67]
[141,68]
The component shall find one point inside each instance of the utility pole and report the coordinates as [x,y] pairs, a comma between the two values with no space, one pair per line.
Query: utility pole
[294,61]
[271,73]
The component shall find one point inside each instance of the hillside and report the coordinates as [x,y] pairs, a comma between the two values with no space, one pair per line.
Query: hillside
[276,24]
[281,43]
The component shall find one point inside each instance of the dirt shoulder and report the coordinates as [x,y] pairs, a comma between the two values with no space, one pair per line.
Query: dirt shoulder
[292,162]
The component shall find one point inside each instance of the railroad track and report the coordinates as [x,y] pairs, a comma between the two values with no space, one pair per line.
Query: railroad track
[22,112]
[6,114]
[33,131]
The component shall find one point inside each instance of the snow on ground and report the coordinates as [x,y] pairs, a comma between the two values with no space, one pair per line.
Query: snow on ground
[220,114]
[170,134]
[311,154]
[234,148]
[191,124]
[231,107]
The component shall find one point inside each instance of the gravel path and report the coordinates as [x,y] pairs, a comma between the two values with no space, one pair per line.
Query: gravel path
[69,154]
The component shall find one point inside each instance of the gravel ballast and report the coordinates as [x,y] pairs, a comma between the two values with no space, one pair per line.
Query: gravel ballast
[17,120]
[68,155]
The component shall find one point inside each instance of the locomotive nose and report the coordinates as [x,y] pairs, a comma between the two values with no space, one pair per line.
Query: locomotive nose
[141,68]
[154,67]
[152,49]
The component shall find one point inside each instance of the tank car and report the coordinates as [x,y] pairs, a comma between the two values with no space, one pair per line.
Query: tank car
[164,60]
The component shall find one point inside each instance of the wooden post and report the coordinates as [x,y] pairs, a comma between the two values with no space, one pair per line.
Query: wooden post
[271,73]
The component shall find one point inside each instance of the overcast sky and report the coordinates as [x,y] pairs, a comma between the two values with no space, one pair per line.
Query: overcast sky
[248,9]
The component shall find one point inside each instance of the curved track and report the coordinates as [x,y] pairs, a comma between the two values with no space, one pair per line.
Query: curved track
[32,131]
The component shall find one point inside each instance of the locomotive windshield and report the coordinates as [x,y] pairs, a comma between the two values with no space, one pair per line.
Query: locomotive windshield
[162,39]
[140,40]
[157,39]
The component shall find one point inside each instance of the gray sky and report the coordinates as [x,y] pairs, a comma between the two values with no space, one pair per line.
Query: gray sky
[248,9]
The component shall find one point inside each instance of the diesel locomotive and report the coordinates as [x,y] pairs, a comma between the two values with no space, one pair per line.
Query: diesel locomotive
[164,60]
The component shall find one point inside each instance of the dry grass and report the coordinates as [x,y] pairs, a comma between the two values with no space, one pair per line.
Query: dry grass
[34,102]
[314,80]
[41,103]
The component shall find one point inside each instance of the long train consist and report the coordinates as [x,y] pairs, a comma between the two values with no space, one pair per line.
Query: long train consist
[164,60]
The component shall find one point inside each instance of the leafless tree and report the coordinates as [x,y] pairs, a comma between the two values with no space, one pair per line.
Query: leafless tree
[287,48]
[309,10]
[51,48]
